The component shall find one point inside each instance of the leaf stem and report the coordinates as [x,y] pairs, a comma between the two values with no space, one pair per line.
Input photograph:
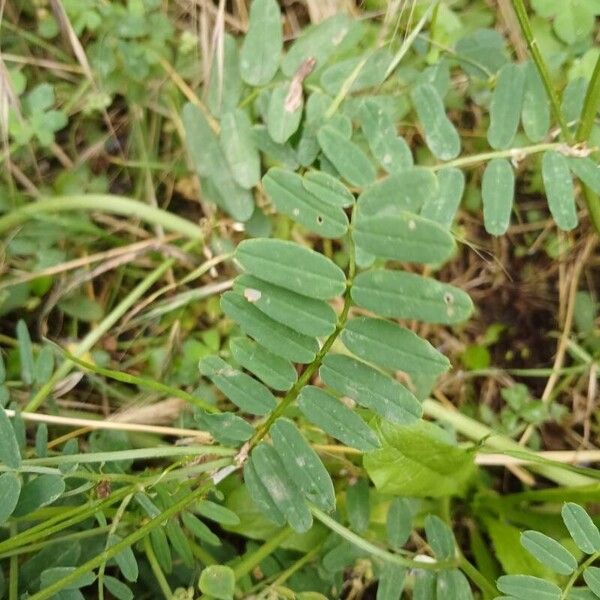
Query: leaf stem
[577,573]
[252,560]
[590,106]
[488,590]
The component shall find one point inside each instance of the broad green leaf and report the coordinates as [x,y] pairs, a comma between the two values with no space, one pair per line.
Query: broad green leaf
[441,136]
[217,581]
[453,585]
[442,206]
[303,465]
[117,588]
[406,190]
[278,373]
[10,454]
[179,542]
[209,161]
[239,149]
[327,189]
[406,295]
[588,171]
[391,346]
[261,496]
[336,419]
[276,154]
[404,236]
[558,183]
[54,574]
[216,512]
[573,98]
[581,527]
[199,529]
[398,523]
[526,587]
[350,161]
[439,537]
[358,73]
[293,267]
[25,352]
[497,191]
[125,559]
[506,105]
[225,85]
[592,578]
[535,115]
[290,197]
[261,49]
[285,112]
[274,336]
[227,428]
[391,582]
[305,315]
[10,488]
[574,21]
[358,506]
[244,391]
[414,462]
[481,53]
[370,388]
[282,489]
[391,151]
[549,552]
[318,41]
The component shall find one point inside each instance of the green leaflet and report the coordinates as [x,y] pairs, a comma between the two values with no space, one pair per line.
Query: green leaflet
[558,183]
[439,537]
[358,506]
[392,346]
[239,149]
[274,336]
[409,296]
[293,267]
[505,108]
[225,85]
[327,189]
[581,527]
[303,465]
[424,588]
[305,315]
[442,207]
[398,522]
[484,51]
[407,190]
[216,512]
[588,171]
[370,388]
[10,488]
[497,191]
[244,391]
[415,462]
[259,494]
[217,581]
[549,552]
[276,154]
[198,529]
[280,487]
[350,161]
[371,74]
[117,588]
[453,585]
[278,373]
[335,419]
[289,195]
[391,151]
[161,547]
[210,162]
[526,587]
[261,49]
[592,578]
[38,492]
[25,352]
[535,115]
[391,582]
[227,428]
[284,113]
[441,136]
[404,236]
[54,574]
[10,454]
[318,41]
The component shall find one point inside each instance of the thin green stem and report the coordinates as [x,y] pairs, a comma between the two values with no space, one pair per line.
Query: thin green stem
[252,560]
[126,542]
[13,574]
[577,574]
[376,551]
[538,59]
[155,566]
[104,326]
[488,590]
[590,106]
